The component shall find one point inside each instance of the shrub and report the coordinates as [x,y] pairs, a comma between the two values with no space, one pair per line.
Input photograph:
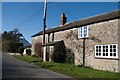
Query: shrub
[59,54]
[69,56]
[58,57]
[14,46]
[5,45]
[28,51]
[21,50]
[38,49]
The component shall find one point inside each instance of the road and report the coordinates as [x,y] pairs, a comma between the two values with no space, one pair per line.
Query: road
[15,68]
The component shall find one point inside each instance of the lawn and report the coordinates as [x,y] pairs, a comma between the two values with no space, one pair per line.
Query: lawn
[70,69]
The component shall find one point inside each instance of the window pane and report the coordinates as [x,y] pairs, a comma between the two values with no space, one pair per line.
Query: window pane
[80,28]
[103,50]
[114,54]
[96,53]
[111,46]
[100,50]
[114,50]
[96,46]
[110,50]
[114,46]
[80,31]
[110,54]
[106,49]
[106,46]
[97,50]
[81,35]
[99,46]
[103,47]
[106,54]
[103,54]
[85,27]
[99,54]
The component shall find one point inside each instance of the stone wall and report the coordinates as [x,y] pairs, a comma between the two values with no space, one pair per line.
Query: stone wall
[119,44]
[99,33]
[36,40]
[107,33]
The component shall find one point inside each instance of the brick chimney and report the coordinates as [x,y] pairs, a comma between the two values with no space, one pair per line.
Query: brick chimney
[63,19]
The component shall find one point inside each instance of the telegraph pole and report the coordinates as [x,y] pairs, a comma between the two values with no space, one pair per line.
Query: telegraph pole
[44,20]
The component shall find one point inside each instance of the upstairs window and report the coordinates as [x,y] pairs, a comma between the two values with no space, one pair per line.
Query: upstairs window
[106,51]
[83,32]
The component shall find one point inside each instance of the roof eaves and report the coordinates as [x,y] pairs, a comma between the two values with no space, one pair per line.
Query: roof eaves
[86,21]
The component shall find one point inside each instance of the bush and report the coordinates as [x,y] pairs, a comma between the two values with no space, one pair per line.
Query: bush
[38,49]
[28,51]
[58,57]
[59,54]
[5,46]
[21,50]
[69,56]
[14,46]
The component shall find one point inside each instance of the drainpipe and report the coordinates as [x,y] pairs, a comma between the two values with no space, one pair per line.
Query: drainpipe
[84,52]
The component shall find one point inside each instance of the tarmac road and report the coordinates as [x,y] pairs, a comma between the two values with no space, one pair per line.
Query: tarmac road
[15,68]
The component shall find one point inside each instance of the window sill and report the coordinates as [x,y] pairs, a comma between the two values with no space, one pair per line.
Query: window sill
[107,58]
[83,37]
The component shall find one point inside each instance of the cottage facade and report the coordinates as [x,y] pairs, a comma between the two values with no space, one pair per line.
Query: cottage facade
[98,36]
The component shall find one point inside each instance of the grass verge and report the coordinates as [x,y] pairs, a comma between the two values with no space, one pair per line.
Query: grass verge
[70,69]
[29,59]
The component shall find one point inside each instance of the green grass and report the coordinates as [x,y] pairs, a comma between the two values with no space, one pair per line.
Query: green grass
[29,59]
[71,70]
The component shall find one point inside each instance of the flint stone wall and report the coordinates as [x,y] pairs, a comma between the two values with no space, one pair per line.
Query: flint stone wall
[99,33]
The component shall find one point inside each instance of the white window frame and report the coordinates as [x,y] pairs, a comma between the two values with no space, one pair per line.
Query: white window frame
[101,56]
[81,32]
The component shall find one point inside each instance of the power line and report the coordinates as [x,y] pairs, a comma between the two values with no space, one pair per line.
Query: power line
[40,10]
[67,12]
[30,17]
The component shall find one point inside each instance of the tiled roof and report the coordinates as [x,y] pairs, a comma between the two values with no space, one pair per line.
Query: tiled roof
[87,21]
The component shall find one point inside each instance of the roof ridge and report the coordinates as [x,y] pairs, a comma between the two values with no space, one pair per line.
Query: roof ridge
[85,21]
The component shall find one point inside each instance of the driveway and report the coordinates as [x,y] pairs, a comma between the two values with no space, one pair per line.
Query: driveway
[15,68]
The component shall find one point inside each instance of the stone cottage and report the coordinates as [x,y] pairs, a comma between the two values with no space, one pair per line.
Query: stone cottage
[97,36]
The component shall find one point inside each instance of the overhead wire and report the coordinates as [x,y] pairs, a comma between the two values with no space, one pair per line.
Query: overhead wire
[29,17]
[21,24]
[74,17]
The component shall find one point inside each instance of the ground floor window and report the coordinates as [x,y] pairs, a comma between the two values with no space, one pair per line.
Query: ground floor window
[106,51]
